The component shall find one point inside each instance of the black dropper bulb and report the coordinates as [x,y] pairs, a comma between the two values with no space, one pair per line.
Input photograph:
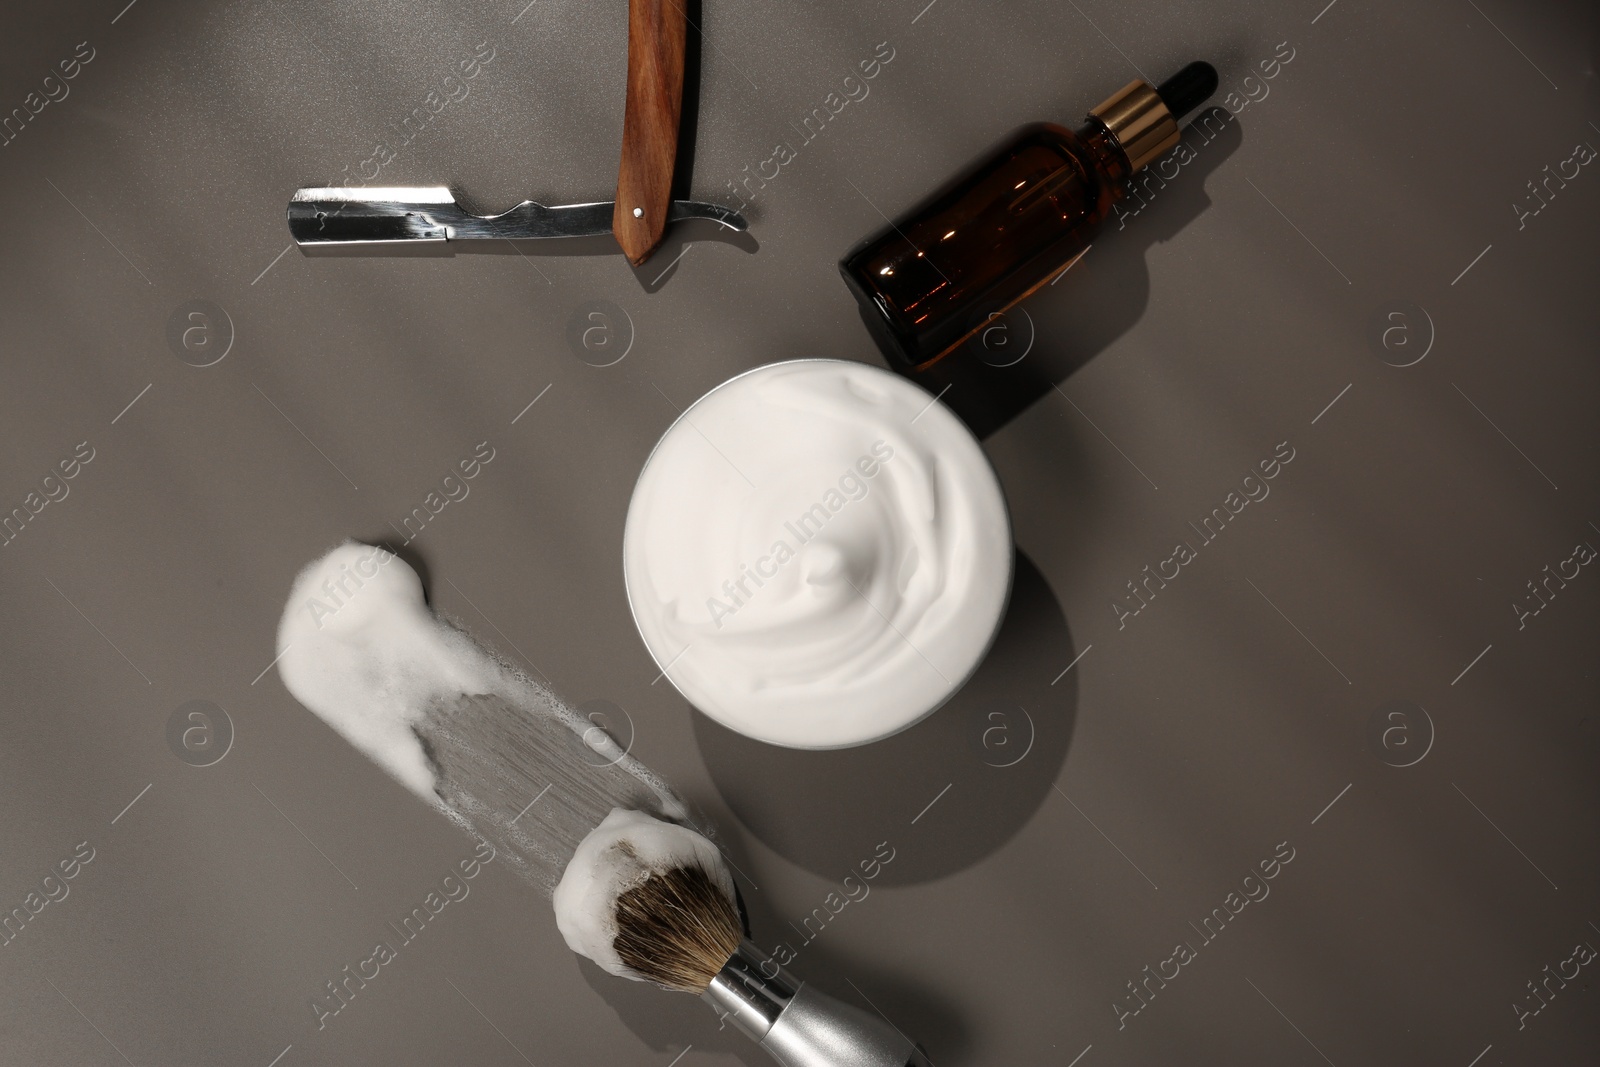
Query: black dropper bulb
[1188,89]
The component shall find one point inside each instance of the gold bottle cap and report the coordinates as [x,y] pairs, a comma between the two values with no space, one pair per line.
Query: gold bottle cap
[1140,121]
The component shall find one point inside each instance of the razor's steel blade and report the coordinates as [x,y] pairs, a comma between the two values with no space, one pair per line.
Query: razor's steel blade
[430,213]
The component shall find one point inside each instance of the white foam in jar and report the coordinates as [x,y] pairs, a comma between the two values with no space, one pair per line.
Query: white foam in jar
[817,554]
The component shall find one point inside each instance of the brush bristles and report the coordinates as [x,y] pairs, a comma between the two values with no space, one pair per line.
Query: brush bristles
[677,929]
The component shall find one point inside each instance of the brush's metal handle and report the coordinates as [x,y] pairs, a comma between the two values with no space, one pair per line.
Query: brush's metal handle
[797,1024]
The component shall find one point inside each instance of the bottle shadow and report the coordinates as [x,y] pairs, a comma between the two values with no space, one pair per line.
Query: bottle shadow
[944,793]
[1026,352]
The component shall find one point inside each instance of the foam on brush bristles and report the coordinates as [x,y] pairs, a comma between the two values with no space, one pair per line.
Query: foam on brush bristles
[651,901]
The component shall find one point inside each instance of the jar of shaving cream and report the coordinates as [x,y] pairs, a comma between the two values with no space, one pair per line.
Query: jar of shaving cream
[817,554]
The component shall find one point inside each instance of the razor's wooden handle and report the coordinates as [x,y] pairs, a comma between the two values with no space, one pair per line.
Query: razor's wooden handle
[656,32]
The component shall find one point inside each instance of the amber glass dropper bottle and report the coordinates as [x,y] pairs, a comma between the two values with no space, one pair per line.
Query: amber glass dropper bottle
[1006,226]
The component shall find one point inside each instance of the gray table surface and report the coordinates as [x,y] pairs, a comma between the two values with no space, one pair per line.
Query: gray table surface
[1343,672]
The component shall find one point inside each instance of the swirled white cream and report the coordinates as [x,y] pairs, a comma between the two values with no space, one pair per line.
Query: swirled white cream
[817,554]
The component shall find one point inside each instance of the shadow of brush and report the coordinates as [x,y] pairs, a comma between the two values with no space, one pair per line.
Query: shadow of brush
[669,1021]
[672,1021]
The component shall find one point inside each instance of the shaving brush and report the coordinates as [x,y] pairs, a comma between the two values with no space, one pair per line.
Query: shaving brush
[652,901]
[643,895]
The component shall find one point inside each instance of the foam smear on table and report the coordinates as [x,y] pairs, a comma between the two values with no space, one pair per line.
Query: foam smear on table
[494,750]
